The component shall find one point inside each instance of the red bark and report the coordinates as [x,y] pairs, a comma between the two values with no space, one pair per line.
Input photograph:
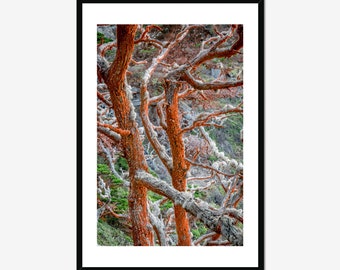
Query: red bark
[133,148]
[180,165]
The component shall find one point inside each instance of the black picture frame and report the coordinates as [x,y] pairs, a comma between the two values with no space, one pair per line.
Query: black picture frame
[261,146]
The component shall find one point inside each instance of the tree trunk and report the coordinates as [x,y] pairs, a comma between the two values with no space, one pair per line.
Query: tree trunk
[180,165]
[133,148]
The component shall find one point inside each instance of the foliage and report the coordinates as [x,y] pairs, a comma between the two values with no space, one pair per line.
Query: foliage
[233,128]
[116,180]
[154,196]
[167,205]
[212,158]
[227,138]
[109,236]
[119,196]
[153,173]
[201,230]
[121,164]
[102,39]
[199,194]
[103,169]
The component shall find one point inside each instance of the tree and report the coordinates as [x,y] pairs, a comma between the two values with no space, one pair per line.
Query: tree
[153,68]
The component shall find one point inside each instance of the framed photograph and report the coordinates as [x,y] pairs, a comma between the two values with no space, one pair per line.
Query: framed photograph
[170,135]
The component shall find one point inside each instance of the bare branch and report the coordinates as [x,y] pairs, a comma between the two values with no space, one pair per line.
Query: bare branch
[222,37]
[144,36]
[152,136]
[103,99]
[203,237]
[208,86]
[138,62]
[149,131]
[110,134]
[208,167]
[120,131]
[208,54]
[161,115]
[223,225]
[204,117]
[237,214]
[112,167]
[106,206]
[219,243]
[201,188]
[157,223]
[156,98]
[229,162]
[106,47]
[201,178]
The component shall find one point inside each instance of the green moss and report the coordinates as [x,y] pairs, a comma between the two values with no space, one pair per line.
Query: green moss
[154,196]
[109,236]
[233,128]
[167,205]
[103,169]
[198,194]
[212,158]
[148,51]
[119,196]
[102,39]
[116,180]
[201,230]
[212,133]
[153,173]
[121,164]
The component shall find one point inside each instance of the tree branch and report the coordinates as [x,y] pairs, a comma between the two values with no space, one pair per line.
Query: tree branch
[110,134]
[102,98]
[201,178]
[204,117]
[230,162]
[120,131]
[223,225]
[203,237]
[208,86]
[208,167]
[112,167]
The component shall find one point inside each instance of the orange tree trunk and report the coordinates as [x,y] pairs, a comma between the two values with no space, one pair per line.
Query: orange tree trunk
[180,165]
[133,148]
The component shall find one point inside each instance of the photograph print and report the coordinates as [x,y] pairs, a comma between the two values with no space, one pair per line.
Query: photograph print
[170,135]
